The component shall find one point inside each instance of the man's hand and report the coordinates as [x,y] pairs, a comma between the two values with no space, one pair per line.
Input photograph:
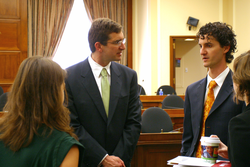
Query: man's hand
[223,150]
[112,161]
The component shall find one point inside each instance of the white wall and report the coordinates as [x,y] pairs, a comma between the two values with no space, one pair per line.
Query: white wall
[157,20]
[242,25]
[154,21]
[141,40]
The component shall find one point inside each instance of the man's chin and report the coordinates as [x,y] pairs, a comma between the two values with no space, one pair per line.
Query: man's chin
[206,65]
[118,58]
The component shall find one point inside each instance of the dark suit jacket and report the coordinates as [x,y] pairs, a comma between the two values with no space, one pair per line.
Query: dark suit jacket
[3,100]
[239,137]
[219,116]
[116,135]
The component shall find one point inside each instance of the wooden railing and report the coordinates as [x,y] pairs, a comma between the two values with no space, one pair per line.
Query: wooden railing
[154,100]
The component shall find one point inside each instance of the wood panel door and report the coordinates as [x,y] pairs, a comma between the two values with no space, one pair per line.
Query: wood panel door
[13,39]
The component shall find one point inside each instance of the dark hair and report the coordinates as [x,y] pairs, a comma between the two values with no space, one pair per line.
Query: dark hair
[223,33]
[241,75]
[100,30]
[35,99]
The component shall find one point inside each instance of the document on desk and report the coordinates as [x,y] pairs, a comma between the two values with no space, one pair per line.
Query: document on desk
[188,161]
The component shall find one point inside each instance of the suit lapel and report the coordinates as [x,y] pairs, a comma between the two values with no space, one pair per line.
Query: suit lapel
[115,89]
[225,91]
[91,87]
[200,92]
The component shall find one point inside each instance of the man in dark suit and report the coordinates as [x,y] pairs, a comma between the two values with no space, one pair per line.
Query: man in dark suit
[109,138]
[217,45]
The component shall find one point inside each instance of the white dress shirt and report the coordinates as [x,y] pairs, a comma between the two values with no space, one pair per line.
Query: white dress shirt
[96,69]
[219,80]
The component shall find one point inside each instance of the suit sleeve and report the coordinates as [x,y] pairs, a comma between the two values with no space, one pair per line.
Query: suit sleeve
[92,147]
[239,134]
[131,132]
[187,137]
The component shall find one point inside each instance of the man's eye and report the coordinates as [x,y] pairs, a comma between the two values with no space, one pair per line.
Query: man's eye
[118,42]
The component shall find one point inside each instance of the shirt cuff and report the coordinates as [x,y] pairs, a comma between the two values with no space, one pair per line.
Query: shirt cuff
[100,164]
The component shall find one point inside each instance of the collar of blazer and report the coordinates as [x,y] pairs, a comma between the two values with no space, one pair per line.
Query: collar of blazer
[93,91]
[225,91]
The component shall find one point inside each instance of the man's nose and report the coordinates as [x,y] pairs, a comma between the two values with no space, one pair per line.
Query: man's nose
[122,46]
[203,51]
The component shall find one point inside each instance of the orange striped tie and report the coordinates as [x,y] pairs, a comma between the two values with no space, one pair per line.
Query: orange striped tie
[207,107]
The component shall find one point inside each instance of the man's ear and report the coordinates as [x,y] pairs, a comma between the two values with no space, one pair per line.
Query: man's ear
[226,48]
[98,46]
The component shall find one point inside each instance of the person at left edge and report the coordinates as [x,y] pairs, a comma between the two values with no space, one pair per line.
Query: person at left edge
[34,129]
[108,140]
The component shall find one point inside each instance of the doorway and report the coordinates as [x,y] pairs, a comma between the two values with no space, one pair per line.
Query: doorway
[186,65]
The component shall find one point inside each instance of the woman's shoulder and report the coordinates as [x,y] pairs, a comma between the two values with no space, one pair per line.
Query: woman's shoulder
[240,121]
[245,115]
[54,135]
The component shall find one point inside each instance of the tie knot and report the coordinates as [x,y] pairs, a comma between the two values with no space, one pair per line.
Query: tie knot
[212,84]
[104,72]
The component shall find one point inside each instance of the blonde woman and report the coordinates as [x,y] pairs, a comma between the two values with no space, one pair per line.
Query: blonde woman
[35,129]
[238,150]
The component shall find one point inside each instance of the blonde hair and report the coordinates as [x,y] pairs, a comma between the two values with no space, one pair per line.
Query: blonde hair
[241,76]
[35,99]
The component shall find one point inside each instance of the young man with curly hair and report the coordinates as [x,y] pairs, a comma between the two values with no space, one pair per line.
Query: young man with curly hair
[217,45]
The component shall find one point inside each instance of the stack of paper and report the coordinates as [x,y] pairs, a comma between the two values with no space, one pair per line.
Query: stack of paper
[189,161]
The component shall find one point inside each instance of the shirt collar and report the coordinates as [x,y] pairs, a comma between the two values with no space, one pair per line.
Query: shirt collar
[97,68]
[220,78]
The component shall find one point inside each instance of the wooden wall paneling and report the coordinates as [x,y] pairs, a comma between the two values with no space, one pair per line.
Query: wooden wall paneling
[9,9]
[13,39]
[9,65]
[9,35]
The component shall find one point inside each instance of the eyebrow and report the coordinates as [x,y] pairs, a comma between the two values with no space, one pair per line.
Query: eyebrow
[206,43]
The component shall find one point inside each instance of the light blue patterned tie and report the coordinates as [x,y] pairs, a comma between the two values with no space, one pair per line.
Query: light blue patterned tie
[105,90]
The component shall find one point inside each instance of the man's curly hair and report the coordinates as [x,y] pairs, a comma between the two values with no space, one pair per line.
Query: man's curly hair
[223,33]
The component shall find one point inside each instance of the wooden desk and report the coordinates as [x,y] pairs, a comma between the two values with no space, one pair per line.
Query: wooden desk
[1,113]
[154,100]
[176,115]
[155,149]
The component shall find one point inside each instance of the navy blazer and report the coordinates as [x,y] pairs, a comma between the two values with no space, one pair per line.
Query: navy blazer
[239,135]
[116,134]
[219,116]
